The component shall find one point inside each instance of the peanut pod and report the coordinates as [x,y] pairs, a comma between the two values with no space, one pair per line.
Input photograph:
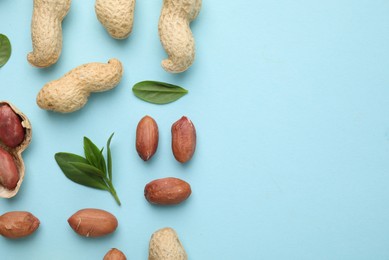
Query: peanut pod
[46,31]
[117,16]
[71,92]
[15,136]
[175,34]
[165,245]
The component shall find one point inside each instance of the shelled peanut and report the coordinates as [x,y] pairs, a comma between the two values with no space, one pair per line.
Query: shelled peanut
[147,138]
[15,136]
[114,254]
[167,191]
[18,224]
[183,139]
[93,222]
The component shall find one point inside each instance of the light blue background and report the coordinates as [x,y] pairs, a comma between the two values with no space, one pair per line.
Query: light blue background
[290,101]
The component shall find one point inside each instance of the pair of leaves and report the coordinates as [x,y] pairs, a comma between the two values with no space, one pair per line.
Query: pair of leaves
[5,49]
[158,92]
[92,171]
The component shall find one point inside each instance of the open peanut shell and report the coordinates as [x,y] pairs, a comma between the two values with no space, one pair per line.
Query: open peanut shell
[16,152]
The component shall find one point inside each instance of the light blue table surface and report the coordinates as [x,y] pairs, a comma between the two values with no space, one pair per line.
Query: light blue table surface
[291,104]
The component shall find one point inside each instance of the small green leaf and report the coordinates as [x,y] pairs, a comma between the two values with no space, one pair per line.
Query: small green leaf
[90,171]
[109,158]
[87,168]
[5,49]
[158,92]
[65,161]
[94,155]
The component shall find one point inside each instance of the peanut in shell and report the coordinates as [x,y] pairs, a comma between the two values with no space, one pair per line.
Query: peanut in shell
[11,156]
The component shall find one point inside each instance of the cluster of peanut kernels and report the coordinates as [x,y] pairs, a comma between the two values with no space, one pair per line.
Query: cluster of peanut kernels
[183,138]
[166,191]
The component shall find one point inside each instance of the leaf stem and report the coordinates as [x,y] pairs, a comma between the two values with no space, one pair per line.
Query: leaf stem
[113,191]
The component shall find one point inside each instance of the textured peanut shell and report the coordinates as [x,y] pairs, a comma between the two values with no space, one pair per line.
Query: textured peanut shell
[17,152]
[46,31]
[117,16]
[93,222]
[18,224]
[71,92]
[175,34]
[165,245]
[115,254]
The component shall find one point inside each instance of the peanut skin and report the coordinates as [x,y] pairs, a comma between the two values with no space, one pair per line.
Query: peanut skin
[18,224]
[46,31]
[165,245]
[115,254]
[93,222]
[183,139]
[117,16]
[167,191]
[175,34]
[146,138]
[71,92]
[11,130]
[9,174]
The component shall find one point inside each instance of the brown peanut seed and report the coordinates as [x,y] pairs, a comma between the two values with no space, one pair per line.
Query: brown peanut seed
[93,222]
[167,191]
[183,139]
[9,175]
[115,254]
[11,130]
[147,138]
[18,224]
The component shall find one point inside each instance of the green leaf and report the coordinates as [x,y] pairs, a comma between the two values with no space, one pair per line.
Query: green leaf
[65,161]
[158,92]
[90,171]
[94,155]
[109,158]
[87,168]
[5,49]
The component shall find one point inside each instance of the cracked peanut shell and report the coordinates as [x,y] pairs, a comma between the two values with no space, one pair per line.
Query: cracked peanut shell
[11,156]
